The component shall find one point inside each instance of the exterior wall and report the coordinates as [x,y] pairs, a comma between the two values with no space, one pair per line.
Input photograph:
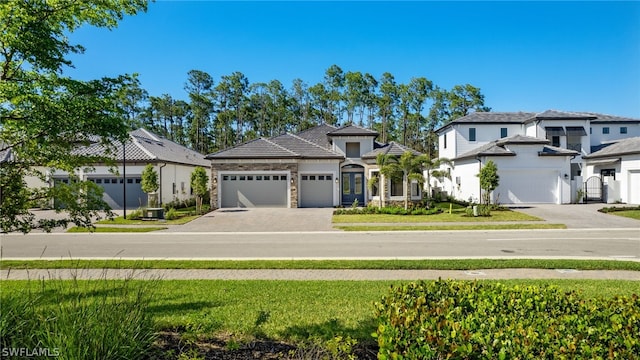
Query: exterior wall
[323,166]
[247,166]
[450,151]
[485,133]
[597,137]
[464,183]
[340,143]
[627,165]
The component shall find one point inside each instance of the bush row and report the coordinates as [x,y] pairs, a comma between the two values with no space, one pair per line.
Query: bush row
[475,320]
[618,208]
[391,210]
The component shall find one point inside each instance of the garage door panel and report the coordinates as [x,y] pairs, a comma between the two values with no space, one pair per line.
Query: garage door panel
[113,191]
[634,187]
[254,190]
[526,186]
[316,190]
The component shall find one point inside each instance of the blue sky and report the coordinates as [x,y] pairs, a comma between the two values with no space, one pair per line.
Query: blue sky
[525,56]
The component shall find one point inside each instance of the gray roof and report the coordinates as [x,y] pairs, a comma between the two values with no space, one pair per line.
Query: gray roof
[497,148]
[304,148]
[318,134]
[145,146]
[391,148]
[627,146]
[352,130]
[255,149]
[5,152]
[525,117]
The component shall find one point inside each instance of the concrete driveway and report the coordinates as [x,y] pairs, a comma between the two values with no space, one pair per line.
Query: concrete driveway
[260,220]
[577,216]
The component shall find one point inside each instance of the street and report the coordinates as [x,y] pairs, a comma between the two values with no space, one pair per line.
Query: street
[571,243]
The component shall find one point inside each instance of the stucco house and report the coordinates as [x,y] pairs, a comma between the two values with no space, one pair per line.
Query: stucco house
[539,155]
[616,169]
[173,163]
[323,166]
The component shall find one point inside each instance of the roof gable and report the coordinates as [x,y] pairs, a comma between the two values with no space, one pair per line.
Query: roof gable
[391,148]
[352,130]
[318,134]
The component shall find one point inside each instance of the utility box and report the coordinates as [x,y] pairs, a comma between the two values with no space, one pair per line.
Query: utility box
[154,213]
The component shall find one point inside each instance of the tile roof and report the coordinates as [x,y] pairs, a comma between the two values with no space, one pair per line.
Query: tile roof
[318,134]
[525,117]
[627,146]
[145,146]
[497,148]
[391,148]
[352,130]
[5,152]
[305,148]
[255,149]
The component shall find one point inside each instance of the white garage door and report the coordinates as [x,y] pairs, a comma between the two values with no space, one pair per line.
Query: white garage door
[634,187]
[527,186]
[316,190]
[254,190]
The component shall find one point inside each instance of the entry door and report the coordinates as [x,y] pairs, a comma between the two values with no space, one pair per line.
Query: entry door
[352,188]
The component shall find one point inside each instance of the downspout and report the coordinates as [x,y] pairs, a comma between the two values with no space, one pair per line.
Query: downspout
[160,178]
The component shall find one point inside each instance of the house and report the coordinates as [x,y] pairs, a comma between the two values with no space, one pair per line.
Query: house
[324,166]
[539,155]
[173,163]
[616,170]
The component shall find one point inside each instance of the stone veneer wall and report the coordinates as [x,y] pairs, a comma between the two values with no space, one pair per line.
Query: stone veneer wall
[290,167]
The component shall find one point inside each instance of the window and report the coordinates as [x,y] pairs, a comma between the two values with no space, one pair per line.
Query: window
[444,140]
[328,177]
[182,186]
[608,172]
[503,132]
[312,177]
[242,177]
[555,141]
[415,189]
[590,130]
[258,177]
[375,191]
[129,181]
[173,188]
[353,149]
[305,177]
[623,130]
[472,134]
[397,187]
[98,181]
[233,178]
[321,177]
[605,130]
[225,178]
[250,177]
[138,181]
[267,177]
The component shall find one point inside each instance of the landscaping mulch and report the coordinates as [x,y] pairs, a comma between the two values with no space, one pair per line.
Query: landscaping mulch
[171,344]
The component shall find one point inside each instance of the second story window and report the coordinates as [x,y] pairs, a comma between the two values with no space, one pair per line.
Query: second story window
[472,134]
[555,141]
[623,130]
[605,130]
[444,140]
[503,132]
[353,149]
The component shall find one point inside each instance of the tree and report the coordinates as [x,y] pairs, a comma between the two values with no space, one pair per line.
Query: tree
[463,99]
[432,168]
[200,185]
[199,84]
[45,117]
[386,169]
[489,180]
[150,184]
[411,166]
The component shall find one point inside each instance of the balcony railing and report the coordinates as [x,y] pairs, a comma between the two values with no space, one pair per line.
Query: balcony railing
[576,147]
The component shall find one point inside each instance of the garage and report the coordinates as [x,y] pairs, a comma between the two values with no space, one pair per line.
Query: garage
[113,191]
[316,190]
[527,186]
[254,190]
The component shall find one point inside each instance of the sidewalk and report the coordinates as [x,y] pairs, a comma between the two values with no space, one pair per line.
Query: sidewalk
[303,275]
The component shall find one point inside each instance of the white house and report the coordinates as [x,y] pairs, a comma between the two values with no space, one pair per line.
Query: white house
[323,166]
[174,164]
[539,155]
[617,168]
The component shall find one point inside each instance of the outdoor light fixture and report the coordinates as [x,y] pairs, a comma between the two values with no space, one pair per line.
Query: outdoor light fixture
[336,180]
[566,176]
[292,180]
[215,180]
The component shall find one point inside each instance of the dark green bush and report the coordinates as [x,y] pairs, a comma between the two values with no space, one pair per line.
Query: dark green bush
[391,210]
[618,208]
[475,320]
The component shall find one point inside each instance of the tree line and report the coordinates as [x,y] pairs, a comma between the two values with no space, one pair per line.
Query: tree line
[230,111]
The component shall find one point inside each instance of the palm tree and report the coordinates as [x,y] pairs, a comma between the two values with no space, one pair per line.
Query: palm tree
[386,169]
[411,166]
[432,168]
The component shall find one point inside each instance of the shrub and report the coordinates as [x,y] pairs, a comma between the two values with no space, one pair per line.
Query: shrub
[135,214]
[618,208]
[172,214]
[391,210]
[475,320]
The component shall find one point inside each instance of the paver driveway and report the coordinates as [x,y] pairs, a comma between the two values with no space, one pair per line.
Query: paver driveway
[578,216]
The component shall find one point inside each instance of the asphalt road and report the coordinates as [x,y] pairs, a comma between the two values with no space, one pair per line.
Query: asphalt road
[571,243]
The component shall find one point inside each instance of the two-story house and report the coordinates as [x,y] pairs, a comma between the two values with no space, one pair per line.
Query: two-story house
[323,166]
[539,155]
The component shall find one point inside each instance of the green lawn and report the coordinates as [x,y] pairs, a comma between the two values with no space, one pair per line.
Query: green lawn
[122,221]
[633,214]
[456,216]
[449,227]
[283,310]
[107,229]
[446,264]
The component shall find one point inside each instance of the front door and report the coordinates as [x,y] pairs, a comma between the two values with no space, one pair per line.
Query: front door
[352,188]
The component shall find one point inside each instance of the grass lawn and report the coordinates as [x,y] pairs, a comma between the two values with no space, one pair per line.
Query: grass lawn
[121,221]
[449,227]
[455,216]
[633,214]
[107,229]
[282,310]
[447,264]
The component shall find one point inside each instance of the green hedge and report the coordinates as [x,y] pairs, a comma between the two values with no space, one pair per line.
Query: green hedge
[618,208]
[475,320]
[391,210]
